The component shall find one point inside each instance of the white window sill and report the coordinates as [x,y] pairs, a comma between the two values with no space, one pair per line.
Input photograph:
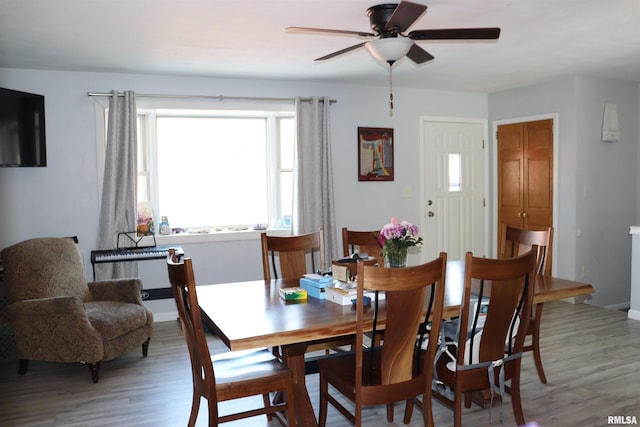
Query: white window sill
[217,236]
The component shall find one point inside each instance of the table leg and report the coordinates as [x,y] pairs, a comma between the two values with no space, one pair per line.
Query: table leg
[293,356]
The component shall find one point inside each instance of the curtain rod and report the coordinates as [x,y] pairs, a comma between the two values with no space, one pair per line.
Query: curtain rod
[218,97]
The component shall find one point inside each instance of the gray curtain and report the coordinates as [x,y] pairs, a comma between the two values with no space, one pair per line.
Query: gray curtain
[118,205]
[313,206]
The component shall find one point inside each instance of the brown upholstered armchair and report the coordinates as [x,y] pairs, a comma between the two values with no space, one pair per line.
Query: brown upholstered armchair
[59,317]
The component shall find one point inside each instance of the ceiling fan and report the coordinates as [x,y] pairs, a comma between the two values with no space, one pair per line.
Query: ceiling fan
[389,23]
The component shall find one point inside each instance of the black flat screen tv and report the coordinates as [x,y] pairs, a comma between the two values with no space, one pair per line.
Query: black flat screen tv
[22,132]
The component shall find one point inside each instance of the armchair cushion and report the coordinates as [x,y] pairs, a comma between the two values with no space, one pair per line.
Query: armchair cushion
[113,319]
[123,290]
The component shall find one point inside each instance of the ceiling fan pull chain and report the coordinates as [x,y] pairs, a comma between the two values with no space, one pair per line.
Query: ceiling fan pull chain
[390,89]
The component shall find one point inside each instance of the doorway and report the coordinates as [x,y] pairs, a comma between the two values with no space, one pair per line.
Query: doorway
[525,188]
[454,182]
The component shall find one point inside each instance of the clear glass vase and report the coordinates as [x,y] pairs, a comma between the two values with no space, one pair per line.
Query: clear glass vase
[395,258]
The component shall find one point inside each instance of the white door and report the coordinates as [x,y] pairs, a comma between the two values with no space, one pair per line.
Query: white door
[454,188]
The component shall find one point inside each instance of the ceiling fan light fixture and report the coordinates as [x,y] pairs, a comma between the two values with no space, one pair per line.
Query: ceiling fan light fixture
[389,49]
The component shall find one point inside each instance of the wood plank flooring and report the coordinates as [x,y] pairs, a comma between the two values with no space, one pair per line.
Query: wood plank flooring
[591,356]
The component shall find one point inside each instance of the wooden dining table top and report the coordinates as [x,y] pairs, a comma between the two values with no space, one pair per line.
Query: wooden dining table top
[251,314]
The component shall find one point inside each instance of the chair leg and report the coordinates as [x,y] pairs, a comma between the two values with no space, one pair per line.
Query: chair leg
[468,399]
[145,347]
[427,412]
[23,365]
[324,404]
[94,368]
[457,409]
[195,407]
[408,411]
[516,402]
[358,414]
[267,402]
[390,410]
[536,344]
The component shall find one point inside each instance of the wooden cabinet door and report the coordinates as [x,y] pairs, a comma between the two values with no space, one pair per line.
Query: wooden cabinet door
[525,174]
[538,194]
[510,174]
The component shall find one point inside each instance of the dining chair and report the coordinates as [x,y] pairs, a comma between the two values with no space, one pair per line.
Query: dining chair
[230,375]
[362,242]
[494,317]
[385,374]
[294,253]
[515,241]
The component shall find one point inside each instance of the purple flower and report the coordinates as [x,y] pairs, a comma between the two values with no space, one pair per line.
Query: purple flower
[396,235]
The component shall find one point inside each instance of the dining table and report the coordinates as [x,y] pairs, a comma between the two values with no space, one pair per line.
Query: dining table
[251,314]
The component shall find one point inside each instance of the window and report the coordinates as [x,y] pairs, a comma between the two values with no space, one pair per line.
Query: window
[455,177]
[216,170]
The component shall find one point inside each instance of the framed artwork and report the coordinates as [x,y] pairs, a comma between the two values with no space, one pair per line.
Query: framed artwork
[375,154]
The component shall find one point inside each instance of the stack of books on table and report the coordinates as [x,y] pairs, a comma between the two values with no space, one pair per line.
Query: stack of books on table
[344,293]
[316,284]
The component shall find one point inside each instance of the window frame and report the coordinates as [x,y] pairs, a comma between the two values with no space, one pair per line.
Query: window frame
[274,112]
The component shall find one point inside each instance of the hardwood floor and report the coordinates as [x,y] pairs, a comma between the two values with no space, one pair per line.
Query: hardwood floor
[591,356]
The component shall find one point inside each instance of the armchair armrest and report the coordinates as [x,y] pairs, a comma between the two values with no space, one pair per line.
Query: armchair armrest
[123,290]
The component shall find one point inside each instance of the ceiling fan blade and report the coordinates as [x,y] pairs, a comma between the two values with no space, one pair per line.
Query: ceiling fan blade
[419,55]
[455,34]
[340,52]
[306,30]
[405,15]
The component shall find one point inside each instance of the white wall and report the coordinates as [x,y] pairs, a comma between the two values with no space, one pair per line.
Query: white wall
[597,181]
[62,199]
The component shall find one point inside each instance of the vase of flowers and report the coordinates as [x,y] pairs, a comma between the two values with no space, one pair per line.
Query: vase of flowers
[395,238]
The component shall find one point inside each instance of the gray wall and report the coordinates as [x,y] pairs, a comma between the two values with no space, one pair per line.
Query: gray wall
[597,182]
[62,199]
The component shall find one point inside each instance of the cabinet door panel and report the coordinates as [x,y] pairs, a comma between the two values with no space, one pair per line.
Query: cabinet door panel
[538,189]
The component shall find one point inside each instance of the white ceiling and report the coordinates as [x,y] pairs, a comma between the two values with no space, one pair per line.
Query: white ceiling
[540,40]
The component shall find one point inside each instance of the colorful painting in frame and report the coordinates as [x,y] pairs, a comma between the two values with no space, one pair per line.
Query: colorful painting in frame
[375,154]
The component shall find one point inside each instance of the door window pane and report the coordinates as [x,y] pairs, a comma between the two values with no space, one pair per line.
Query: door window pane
[455,179]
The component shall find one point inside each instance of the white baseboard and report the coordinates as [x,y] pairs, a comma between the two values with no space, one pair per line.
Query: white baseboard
[620,306]
[169,316]
[164,310]
[633,314]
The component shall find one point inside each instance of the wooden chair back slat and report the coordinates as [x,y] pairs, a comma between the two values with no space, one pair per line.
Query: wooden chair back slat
[361,242]
[515,241]
[292,253]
